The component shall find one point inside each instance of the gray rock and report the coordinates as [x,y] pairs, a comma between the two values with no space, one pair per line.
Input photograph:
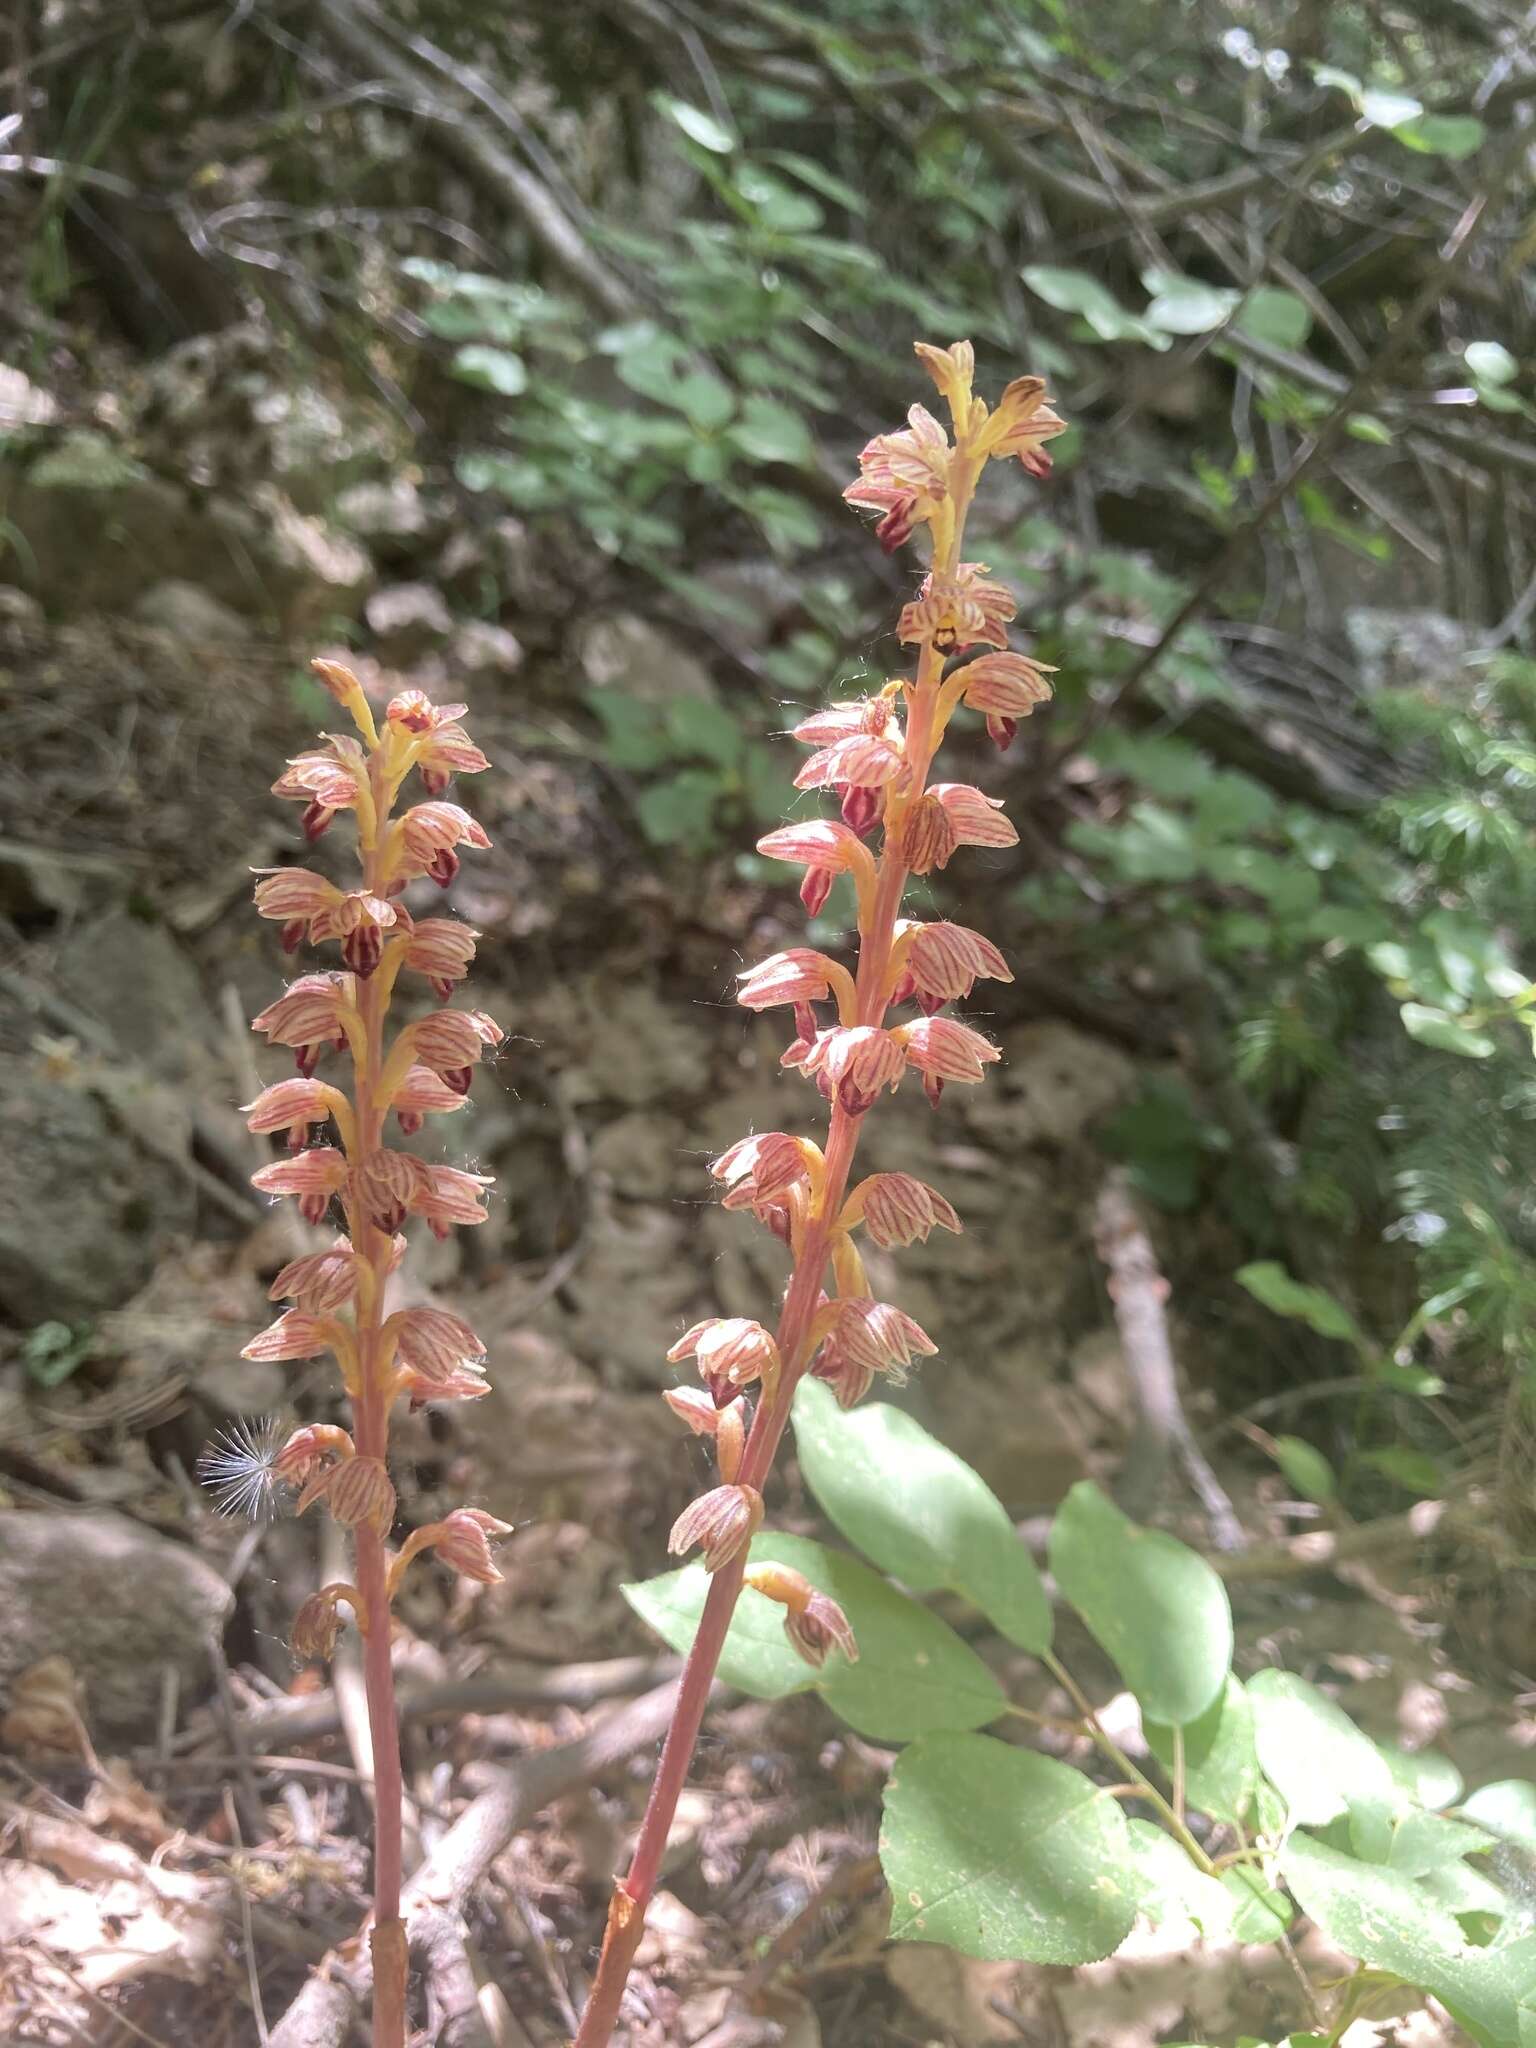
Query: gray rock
[381,513]
[1403,649]
[483,653]
[85,1209]
[626,650]
[135,980]
[407,621]
[117,1601]
[187,612]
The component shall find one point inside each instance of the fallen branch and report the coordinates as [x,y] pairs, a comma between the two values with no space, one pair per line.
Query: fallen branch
[483,160]
[1138,1290]
[469,1848]
[286,1722]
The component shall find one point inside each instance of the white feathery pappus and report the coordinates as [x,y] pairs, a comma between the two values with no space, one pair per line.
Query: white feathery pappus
[238,1466]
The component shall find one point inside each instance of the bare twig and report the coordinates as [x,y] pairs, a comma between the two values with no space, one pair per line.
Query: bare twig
[469,1848]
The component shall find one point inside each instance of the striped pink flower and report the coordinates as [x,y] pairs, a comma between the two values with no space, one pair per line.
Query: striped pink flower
[899,1209]
[320,1281]
[1005,688]
[313,1177]
[861,762]
[798,976]
[432,1341]
[731,1351]
[295,1334]
[857,1062]
[945,961]
[720,1523]
[442,951]
[943,1050]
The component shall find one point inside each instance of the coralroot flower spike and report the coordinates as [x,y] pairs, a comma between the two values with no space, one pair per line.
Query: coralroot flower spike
[875,756]
[339,1292]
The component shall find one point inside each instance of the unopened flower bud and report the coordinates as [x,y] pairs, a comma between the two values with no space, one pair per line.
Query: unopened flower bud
[357,1491]
[309,1450]
[317,1623]
[463,1542]
[813,1621]
[720,1523]
[731,1349]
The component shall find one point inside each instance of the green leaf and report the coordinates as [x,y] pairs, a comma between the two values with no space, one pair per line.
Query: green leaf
[1506,1808]
[1306,1468]
[1155,1606]
[1186,305]
[1259,1912]
[1364,426]
[1446,1033]
[1074,291]
[1425,1776]
[633,736]
[491,369]
[1268,1282]
[1272,314]
[1004,1854]
[770,431]
[700,726]
[1490,362]
[914,1674]
[1221,1765]
[52,1351]
[1416,1471]
[698,126]
[1313,1754]
[918,1511]
[1394,1924]
[681,810]
[1392,110]
[1167,1886]
[1452,136]
[1422,1842]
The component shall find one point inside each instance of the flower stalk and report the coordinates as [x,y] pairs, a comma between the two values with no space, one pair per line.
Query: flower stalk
[877,755]
[340,1295]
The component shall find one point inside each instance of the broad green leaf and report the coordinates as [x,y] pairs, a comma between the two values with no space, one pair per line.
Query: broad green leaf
[1269,1283]
[1452,136]
[1272,314]
[918,1511]
[1416,1471]
[700,726]
[698,126]
[1364,426]
[1319,1762]
[770,431]
[681,810]
[1490,362]
[1186,305]
[1155,1606]
[1506,1808]
[1445,1032]
[491,369]
[1429,1779]
[1259,1912]
[1075,291]
[789,523]
[1004,1854]
[1394,1924]
[1166,1885]
[1422,1842]
[1306,1468]
[1221,1765]
[914,1674]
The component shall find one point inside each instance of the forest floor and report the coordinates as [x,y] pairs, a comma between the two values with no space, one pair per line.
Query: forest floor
[185,1818]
